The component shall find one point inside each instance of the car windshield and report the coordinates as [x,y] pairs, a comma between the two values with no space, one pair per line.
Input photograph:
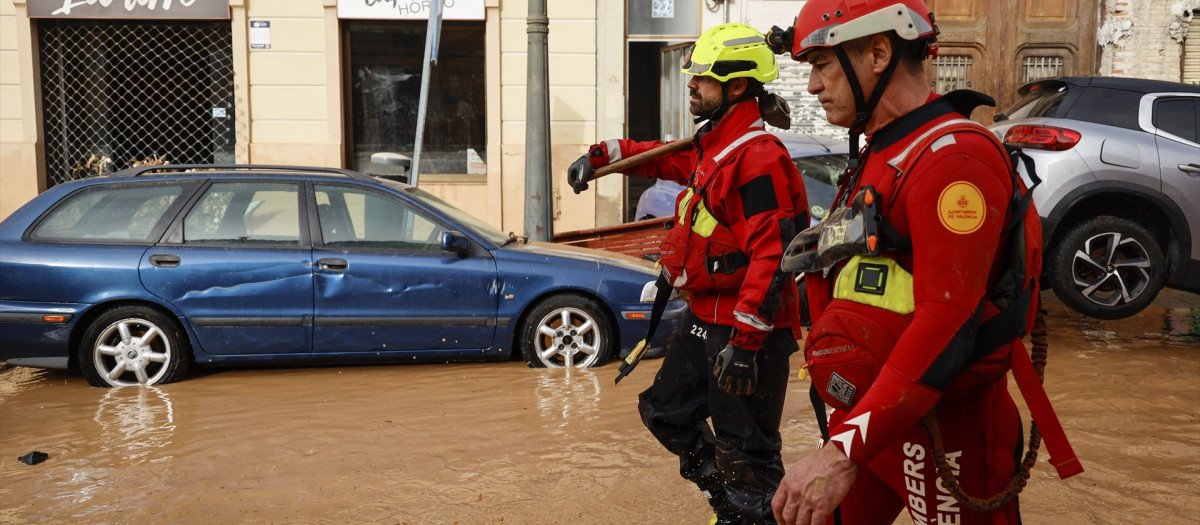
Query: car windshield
[1040,100]
[820,174]
[476,225]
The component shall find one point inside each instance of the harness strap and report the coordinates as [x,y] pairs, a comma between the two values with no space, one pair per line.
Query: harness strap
[728,263]
[656,311]
[1062,456]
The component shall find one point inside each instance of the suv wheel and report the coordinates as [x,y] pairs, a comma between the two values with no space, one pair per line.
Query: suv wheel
[1107,267]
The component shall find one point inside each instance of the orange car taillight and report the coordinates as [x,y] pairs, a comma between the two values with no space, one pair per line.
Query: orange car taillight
[1042,137]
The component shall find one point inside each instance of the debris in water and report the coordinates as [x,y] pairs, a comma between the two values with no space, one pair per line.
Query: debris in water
[33,458]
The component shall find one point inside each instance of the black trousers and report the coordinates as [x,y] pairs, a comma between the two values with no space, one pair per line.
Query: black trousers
[740,452]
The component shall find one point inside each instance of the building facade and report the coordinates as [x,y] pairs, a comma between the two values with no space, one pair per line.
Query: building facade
[96,85]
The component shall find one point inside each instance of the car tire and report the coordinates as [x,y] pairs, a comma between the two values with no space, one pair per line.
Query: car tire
[566,330]
[134,345]
[1107,268]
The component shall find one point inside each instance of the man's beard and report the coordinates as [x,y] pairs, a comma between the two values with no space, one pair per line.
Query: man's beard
[704,107]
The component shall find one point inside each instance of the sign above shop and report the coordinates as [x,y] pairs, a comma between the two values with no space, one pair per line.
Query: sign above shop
[409,9]
[130,9]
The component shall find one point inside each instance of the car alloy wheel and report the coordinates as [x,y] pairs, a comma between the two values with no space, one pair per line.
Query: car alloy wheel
[1108,268]
[566,331]
[133,345]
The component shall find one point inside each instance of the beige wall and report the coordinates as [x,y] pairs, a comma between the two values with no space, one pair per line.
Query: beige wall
[289,102]
[19,145]
[293,88]
[587,90]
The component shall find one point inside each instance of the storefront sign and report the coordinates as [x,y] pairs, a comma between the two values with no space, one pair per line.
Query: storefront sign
[130,9]
[409,9]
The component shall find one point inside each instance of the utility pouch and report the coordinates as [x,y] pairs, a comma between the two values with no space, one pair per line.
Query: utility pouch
[846,348]
[698,253]
[844,233]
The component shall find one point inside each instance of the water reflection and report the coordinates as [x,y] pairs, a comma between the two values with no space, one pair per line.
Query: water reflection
[567,394]
[1183,325]
[135,422]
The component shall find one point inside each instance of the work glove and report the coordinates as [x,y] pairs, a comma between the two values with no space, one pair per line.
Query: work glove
[581,170]
[736,371]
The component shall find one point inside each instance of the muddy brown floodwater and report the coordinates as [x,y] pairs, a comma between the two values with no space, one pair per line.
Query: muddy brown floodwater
[499,443]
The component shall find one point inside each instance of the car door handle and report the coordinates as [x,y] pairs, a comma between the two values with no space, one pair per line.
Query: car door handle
[1193,169]
[164,261]
[332,264]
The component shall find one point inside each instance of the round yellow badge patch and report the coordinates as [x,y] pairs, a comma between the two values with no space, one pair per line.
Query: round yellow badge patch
[961,208]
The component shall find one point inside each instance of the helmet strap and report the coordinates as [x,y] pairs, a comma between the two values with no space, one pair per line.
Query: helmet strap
[725,104]
[863,108]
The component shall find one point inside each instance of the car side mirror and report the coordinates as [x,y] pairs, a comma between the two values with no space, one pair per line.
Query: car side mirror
[456,242]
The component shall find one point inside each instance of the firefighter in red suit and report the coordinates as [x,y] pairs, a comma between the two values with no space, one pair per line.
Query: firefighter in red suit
[744,202]
[894,334]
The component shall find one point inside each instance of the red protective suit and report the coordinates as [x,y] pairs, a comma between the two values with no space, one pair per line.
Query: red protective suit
[756,192]
[750,188]
[952,203]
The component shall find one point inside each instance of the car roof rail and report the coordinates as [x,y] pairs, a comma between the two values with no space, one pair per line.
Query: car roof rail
[316,170]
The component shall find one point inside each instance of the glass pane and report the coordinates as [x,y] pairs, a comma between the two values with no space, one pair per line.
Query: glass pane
[355,218]
[245,213]
[1177,116]
[117,213]
[385,89]
[1111,107]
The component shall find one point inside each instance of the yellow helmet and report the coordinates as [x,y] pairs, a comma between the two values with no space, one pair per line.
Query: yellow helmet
[732,51]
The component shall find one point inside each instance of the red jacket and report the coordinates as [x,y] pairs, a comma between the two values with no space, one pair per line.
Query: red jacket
[952,204]
[753,188]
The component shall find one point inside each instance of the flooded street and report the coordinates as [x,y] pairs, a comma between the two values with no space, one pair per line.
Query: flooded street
[498,443]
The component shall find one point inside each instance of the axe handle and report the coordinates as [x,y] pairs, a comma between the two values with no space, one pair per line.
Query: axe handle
[629,162]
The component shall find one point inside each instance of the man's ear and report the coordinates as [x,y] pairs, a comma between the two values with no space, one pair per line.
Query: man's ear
[880,52]
[738,87]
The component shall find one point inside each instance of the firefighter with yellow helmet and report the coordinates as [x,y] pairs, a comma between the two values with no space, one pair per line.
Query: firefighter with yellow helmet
[744,201]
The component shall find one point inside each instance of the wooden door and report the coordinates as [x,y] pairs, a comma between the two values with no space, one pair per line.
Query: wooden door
[996,46]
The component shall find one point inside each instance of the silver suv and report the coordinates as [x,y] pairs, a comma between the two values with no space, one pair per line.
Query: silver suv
[1119,160]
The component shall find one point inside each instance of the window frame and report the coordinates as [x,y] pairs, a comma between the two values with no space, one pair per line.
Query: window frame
[166,218]
[366,246]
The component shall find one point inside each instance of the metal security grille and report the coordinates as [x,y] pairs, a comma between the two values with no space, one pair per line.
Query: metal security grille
[951,72]
[674,115]
[133,91]
[1036,68]
[1191,52]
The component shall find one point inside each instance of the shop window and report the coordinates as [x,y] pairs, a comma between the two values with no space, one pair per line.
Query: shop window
[129,92]
[384,81]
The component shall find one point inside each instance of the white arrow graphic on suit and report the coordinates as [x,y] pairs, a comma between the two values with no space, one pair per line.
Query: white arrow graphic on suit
[847,438]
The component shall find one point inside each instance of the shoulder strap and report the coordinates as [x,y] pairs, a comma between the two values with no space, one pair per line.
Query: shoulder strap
[661,297]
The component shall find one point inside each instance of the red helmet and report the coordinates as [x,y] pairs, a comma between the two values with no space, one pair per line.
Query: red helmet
[827,23]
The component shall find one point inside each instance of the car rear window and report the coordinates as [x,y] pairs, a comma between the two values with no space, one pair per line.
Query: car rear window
[1041,100]
[1178,116]
[108,213]
[1110,107]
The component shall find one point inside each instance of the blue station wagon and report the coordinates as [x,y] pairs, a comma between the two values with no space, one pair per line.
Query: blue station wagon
[136,277]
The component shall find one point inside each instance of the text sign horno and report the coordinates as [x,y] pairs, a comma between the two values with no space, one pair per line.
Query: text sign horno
[409,9]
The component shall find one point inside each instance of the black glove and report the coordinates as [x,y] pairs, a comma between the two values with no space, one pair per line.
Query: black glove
[580,173]
[736,371]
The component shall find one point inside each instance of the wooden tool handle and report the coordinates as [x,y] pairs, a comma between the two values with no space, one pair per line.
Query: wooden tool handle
[629,162]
